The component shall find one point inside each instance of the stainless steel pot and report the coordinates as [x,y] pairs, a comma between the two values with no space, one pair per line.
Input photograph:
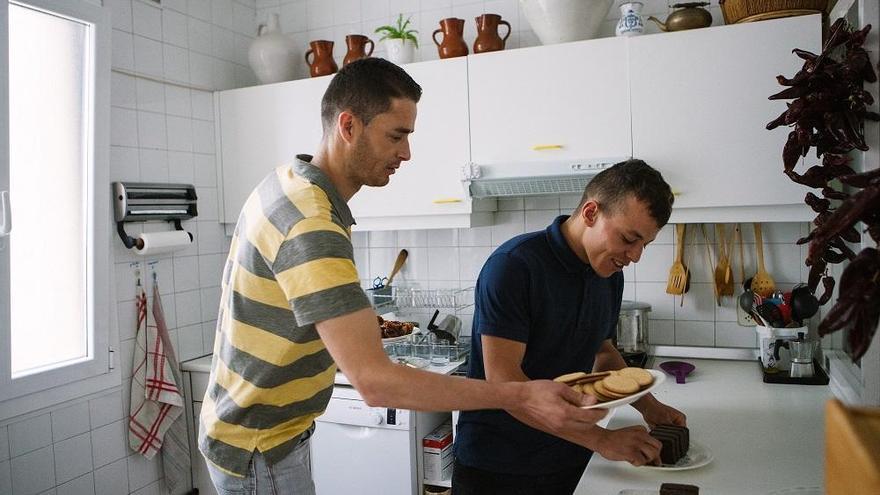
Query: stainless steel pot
[632,326]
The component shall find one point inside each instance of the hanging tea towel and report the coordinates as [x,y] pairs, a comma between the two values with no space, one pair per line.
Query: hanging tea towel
[156,400]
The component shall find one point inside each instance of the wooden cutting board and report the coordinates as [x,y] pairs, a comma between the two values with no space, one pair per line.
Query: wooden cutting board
[852,449]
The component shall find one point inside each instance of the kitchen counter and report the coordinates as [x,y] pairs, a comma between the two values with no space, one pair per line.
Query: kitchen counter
[764,437]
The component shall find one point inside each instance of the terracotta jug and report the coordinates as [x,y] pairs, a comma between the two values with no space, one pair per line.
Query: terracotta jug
[322,62]
[488,39]
[357,48]
[453,44]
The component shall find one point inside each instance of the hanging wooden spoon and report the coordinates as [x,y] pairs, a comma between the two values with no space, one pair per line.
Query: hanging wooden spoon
[398,264]
[678,272]
[723,272]
[762,282]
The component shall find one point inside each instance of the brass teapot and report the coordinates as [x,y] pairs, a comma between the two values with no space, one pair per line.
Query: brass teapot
[687,16]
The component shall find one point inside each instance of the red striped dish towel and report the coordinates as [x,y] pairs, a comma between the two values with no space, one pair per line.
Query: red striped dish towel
[156,399]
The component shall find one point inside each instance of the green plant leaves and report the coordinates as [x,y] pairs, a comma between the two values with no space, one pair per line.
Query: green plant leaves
[398,31]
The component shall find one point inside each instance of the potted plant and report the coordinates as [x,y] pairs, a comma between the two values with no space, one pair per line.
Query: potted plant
[829,108]
[399,41]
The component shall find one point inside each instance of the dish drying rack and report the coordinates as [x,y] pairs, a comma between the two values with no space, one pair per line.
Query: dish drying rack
[391,298]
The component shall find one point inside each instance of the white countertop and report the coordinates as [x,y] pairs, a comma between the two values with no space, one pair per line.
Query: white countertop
[764,437]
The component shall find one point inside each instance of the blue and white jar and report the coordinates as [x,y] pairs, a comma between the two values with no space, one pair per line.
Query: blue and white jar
[630,23]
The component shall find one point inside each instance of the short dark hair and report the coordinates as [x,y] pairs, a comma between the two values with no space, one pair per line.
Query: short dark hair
[632,177]
[365,88]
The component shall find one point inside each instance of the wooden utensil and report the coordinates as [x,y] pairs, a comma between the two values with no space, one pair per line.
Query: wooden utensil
[762,282]
[678,273]
[723,272]
[398,264]
[742,310]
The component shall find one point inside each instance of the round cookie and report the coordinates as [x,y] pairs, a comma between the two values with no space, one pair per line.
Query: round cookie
[603,391]
[619,384]
[641,376]
[590,388]
[570,377]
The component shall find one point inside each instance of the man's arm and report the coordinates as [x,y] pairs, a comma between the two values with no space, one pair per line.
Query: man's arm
[654,411]
[354,342]
[502,360]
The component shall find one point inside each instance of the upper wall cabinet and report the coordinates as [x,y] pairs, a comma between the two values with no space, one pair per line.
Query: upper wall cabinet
[699,111]
[426,191]
[558,102]
[260,128]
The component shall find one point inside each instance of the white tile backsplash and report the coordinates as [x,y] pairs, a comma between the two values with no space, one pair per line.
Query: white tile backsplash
[105,409]
[33,472]
[30,434]
[84,485]
[112,479]
[109,443]
[70,421]
[70,463]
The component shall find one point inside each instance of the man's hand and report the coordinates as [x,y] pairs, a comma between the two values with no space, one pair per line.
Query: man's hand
[632,444]
[658,413]
[555,408]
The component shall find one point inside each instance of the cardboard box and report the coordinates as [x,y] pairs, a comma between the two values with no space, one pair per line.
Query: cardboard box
[437,452]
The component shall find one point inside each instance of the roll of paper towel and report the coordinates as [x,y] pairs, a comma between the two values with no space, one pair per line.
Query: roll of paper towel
[162,242]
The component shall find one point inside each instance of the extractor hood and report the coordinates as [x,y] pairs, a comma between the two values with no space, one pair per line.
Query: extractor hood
[538,178]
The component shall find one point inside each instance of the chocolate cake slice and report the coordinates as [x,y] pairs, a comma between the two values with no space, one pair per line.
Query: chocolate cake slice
[675,440]
[678,489]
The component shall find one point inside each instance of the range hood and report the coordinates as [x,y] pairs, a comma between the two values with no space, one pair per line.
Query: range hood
[538,178]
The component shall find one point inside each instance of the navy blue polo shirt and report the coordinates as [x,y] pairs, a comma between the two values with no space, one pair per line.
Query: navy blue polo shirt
[533,289]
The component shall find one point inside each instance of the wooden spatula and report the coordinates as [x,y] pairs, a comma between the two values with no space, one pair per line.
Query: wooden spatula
[762,282]
[398,264]
[723,272]
[678,273]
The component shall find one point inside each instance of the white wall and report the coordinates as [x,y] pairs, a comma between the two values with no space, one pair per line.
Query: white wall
[160,133]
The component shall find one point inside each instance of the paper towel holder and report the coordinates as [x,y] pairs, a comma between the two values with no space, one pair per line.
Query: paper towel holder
[143,201]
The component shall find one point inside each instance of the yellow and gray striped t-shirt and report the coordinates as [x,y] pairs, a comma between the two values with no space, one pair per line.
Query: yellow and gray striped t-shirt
[290,265]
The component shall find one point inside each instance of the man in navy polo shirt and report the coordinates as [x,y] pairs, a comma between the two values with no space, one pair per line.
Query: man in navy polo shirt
[547,304]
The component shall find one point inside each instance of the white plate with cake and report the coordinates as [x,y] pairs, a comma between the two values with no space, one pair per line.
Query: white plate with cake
[698,455]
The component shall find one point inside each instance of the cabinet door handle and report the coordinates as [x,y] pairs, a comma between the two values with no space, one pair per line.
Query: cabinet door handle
[544,147]
[440,201]
[5,214]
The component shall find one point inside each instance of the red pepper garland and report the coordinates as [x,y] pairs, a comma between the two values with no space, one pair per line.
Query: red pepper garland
[829,107]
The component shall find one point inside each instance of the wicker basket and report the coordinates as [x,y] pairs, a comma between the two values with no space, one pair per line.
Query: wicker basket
[735,11]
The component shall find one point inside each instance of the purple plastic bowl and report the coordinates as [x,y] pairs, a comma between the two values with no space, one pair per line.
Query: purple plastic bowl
[678,369]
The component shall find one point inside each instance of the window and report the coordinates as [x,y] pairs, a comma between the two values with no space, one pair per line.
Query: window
[54,261]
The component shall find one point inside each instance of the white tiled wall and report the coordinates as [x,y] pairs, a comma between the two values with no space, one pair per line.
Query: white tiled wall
[160,133]
[453,258]
[306,20]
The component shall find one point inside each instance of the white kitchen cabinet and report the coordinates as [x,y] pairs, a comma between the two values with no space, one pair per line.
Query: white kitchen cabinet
[260,128]
[699,111]
[427,191]
[559,102]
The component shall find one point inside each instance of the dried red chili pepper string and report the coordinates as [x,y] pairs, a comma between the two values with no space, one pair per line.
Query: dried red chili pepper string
[828,108]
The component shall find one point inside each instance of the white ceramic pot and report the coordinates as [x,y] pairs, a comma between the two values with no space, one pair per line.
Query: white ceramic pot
[399,51]
[271,54]
[559,21]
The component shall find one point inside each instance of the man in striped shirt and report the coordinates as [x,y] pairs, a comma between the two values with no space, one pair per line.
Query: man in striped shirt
[292,306]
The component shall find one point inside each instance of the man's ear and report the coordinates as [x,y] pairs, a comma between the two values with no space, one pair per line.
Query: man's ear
[589,212]
[346,126]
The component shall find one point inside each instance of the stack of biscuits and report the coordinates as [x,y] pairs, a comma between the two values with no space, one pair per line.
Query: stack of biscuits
[607,386]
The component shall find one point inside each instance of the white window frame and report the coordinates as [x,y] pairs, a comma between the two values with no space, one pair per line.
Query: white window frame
[59,385]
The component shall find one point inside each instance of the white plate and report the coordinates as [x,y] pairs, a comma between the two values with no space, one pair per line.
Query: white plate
[659,377]
[402,338]
[698,456]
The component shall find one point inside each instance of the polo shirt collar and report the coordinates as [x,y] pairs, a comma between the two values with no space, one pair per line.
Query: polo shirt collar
[302,166]
[561,249]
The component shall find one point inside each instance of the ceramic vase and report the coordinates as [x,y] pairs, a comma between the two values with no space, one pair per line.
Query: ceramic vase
[630,23]
[271,54]
[399,51]
[560,21]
